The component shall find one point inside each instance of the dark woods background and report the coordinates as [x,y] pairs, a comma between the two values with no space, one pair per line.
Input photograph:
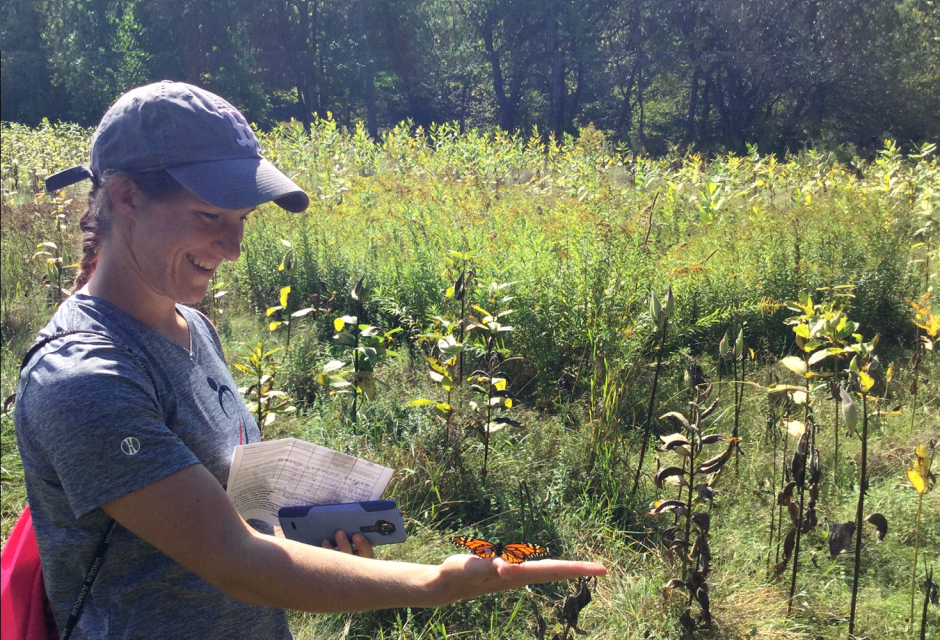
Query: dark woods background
[715,74]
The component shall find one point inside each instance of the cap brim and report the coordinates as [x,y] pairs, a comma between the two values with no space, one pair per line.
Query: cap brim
[240,184]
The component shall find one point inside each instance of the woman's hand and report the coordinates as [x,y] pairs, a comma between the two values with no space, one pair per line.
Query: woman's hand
[467,576]
[360,544]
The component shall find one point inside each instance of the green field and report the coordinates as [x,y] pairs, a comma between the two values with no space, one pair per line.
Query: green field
[571,237]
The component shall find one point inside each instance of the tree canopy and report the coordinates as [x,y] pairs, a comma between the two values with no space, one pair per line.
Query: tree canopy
[716,74]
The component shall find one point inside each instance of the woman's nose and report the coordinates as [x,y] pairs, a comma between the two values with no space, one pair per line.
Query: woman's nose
[230,241]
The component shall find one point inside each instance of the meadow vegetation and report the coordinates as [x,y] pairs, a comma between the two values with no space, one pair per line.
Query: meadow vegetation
[474,310]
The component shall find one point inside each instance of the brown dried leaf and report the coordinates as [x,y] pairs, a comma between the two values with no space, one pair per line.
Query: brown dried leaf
[702,520]
[793,510]
[716,463]
[677,419]
[662,474]
[840,538]
[662,506]
[880,523]
[783,498]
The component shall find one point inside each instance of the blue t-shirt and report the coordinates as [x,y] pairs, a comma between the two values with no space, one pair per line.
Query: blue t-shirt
[92,426]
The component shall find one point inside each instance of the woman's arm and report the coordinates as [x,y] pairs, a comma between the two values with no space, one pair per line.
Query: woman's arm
[188,516]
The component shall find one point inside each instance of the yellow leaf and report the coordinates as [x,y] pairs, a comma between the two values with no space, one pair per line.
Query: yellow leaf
[284,292]
[338,324]
[920,485]
[274,325]
[920,474]
[865,381]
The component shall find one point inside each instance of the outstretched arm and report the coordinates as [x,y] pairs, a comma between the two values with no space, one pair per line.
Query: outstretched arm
[188,516]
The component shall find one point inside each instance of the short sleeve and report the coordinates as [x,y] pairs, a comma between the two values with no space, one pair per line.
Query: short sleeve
[90,410]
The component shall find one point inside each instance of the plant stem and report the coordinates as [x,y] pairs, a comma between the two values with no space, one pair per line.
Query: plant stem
[772,423]
[835,455]
[920,501]
[737,405]
[796,549]
[290,284]
[688,516]
[862,487]
[649,411]
[923,616]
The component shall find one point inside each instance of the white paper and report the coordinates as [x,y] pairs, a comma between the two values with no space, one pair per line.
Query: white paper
[266,476]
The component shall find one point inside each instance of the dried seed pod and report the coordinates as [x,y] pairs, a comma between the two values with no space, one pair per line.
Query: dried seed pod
[840,539]
[880,523]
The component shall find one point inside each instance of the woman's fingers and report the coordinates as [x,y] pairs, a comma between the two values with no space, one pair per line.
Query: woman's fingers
[463,576]
[363,546]
[359,545]
[538,571]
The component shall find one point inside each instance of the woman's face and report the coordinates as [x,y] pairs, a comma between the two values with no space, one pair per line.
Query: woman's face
[176,245]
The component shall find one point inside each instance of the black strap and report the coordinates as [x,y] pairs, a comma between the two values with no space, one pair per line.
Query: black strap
[76,612]
[93,570]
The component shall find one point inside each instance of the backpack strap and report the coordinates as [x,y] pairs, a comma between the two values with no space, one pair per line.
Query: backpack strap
[98,558]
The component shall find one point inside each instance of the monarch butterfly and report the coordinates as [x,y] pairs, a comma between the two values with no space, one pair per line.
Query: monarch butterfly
[513,553]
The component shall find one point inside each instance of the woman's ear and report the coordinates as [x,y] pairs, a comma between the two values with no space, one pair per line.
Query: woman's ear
[126,198]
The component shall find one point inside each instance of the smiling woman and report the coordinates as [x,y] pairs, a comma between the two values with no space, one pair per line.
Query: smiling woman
[126,410]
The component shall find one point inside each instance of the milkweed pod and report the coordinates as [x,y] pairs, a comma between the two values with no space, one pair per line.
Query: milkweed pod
[723,345]
[739,345]
[849,412]
[669,304]
[655,309]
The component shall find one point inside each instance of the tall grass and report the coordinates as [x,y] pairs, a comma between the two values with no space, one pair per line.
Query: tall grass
[585,231]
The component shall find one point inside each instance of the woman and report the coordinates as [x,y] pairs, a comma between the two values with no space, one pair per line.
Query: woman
[123,419]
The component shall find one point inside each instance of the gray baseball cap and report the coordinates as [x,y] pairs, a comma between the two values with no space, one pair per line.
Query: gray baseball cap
[197,137]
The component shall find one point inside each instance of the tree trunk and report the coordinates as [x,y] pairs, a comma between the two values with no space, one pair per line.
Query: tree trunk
[506,110]
[368,71]
[693,100]
[557,89]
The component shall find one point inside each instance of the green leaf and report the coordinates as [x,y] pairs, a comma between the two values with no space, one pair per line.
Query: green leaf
[794,364]
[333,365]
[345,338]
[443,410]
[357,290]
[819,356]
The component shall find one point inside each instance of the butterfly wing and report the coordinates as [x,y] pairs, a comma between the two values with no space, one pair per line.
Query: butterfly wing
[517,553]
[479,548]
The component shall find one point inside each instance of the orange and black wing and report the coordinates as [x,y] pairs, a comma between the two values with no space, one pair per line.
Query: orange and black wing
[477,547]
[516,553]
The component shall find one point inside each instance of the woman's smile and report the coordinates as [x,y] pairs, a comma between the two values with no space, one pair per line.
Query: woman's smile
[208,266]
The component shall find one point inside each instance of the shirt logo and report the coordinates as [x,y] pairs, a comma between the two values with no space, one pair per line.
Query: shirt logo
[246,137]
[130,446]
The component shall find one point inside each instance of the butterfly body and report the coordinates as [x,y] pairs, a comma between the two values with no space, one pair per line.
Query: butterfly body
[513,553]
